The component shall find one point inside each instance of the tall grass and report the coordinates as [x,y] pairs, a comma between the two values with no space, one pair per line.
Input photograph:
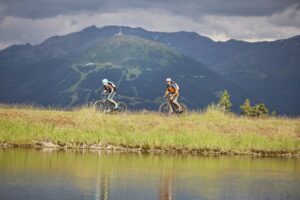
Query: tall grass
[210,130]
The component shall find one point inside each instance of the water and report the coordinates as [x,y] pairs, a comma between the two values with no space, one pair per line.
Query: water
[32,174]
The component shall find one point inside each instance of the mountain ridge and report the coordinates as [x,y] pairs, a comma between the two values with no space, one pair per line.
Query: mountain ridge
[96,29]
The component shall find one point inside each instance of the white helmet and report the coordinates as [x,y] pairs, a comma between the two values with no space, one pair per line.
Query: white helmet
[104,81]
[168,79]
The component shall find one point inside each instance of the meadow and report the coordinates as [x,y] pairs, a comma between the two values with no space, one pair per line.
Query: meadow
[207,132]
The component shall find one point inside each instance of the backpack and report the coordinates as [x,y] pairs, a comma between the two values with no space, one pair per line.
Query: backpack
[176,85]
[113,85]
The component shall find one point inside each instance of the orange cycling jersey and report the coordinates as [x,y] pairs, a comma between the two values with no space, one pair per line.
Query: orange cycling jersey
[172,88]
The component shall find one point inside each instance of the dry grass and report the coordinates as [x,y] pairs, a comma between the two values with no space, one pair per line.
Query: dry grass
[210,129]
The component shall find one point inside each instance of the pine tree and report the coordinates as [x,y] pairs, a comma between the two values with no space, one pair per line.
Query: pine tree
[246,108]
[258,110]
[224,101]
[261,110]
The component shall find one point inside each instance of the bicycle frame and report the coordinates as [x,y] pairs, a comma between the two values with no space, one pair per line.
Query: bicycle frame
[170,104]
[106,102]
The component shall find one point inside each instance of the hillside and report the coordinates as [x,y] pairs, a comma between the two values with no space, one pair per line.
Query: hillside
[267,71]
[270,71]
[136,65]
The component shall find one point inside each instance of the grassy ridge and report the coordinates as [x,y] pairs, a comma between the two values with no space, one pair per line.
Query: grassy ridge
[207,131]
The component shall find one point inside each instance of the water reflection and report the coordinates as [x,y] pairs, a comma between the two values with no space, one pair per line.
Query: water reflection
[101,176]
[165,188]
[102,189]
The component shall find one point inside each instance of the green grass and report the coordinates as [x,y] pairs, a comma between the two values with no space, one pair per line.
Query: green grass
[207,131]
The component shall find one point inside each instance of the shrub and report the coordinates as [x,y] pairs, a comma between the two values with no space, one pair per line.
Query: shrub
[257,110]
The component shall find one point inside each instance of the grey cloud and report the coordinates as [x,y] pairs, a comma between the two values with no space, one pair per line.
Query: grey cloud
[34,9]
[73,22]
[2,12]
[234,7]
[289,18]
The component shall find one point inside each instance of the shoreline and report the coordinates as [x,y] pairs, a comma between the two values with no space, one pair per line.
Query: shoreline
[46,145]
[210,132]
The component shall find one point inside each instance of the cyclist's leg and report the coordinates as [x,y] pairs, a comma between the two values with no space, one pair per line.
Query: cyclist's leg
[111,99]
[175,101]
[171,97]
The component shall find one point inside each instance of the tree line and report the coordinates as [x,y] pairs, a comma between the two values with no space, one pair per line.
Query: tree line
[257,110]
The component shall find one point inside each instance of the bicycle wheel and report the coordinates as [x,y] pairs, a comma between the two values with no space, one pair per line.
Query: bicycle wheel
[183,108]
[122,107]
[164,108]
[99,106]
[176,108]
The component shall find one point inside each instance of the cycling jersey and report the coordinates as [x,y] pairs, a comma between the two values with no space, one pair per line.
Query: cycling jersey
[172,88]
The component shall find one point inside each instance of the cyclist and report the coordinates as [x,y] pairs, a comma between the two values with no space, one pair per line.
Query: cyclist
[172,90]
[110,91]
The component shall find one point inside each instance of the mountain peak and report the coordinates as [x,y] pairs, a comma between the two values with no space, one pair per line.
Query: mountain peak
[91,28]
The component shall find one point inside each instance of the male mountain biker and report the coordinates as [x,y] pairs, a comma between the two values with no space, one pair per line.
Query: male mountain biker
[110,91]
[172,90]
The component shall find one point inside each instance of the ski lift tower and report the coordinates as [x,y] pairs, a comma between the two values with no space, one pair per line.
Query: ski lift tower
[120,32]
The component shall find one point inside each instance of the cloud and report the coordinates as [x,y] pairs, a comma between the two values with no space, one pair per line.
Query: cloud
[288,18]
[246,28]
[35,9]
[31,21]
[2,12]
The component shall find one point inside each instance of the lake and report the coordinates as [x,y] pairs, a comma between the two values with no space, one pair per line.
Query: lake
[71,175]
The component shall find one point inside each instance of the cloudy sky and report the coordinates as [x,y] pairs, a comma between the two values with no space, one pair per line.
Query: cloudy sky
[33,21]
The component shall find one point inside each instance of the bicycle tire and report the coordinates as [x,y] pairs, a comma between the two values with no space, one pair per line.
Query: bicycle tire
[122,107]
[164,108]
[99,106]
[183,108]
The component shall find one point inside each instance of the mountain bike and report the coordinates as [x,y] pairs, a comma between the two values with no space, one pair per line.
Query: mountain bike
[165,107]
[105,106]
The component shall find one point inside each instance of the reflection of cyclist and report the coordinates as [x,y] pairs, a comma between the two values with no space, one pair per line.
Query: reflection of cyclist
[173,92]
[110,91]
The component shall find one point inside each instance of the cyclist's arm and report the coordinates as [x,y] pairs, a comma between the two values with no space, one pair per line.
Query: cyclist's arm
[103,90]
[166,93]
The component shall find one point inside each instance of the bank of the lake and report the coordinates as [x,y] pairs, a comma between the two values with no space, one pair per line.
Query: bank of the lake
[210,131]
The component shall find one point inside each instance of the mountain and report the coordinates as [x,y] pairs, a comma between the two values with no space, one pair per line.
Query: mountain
[265,72]
[55,73]
[268,71]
